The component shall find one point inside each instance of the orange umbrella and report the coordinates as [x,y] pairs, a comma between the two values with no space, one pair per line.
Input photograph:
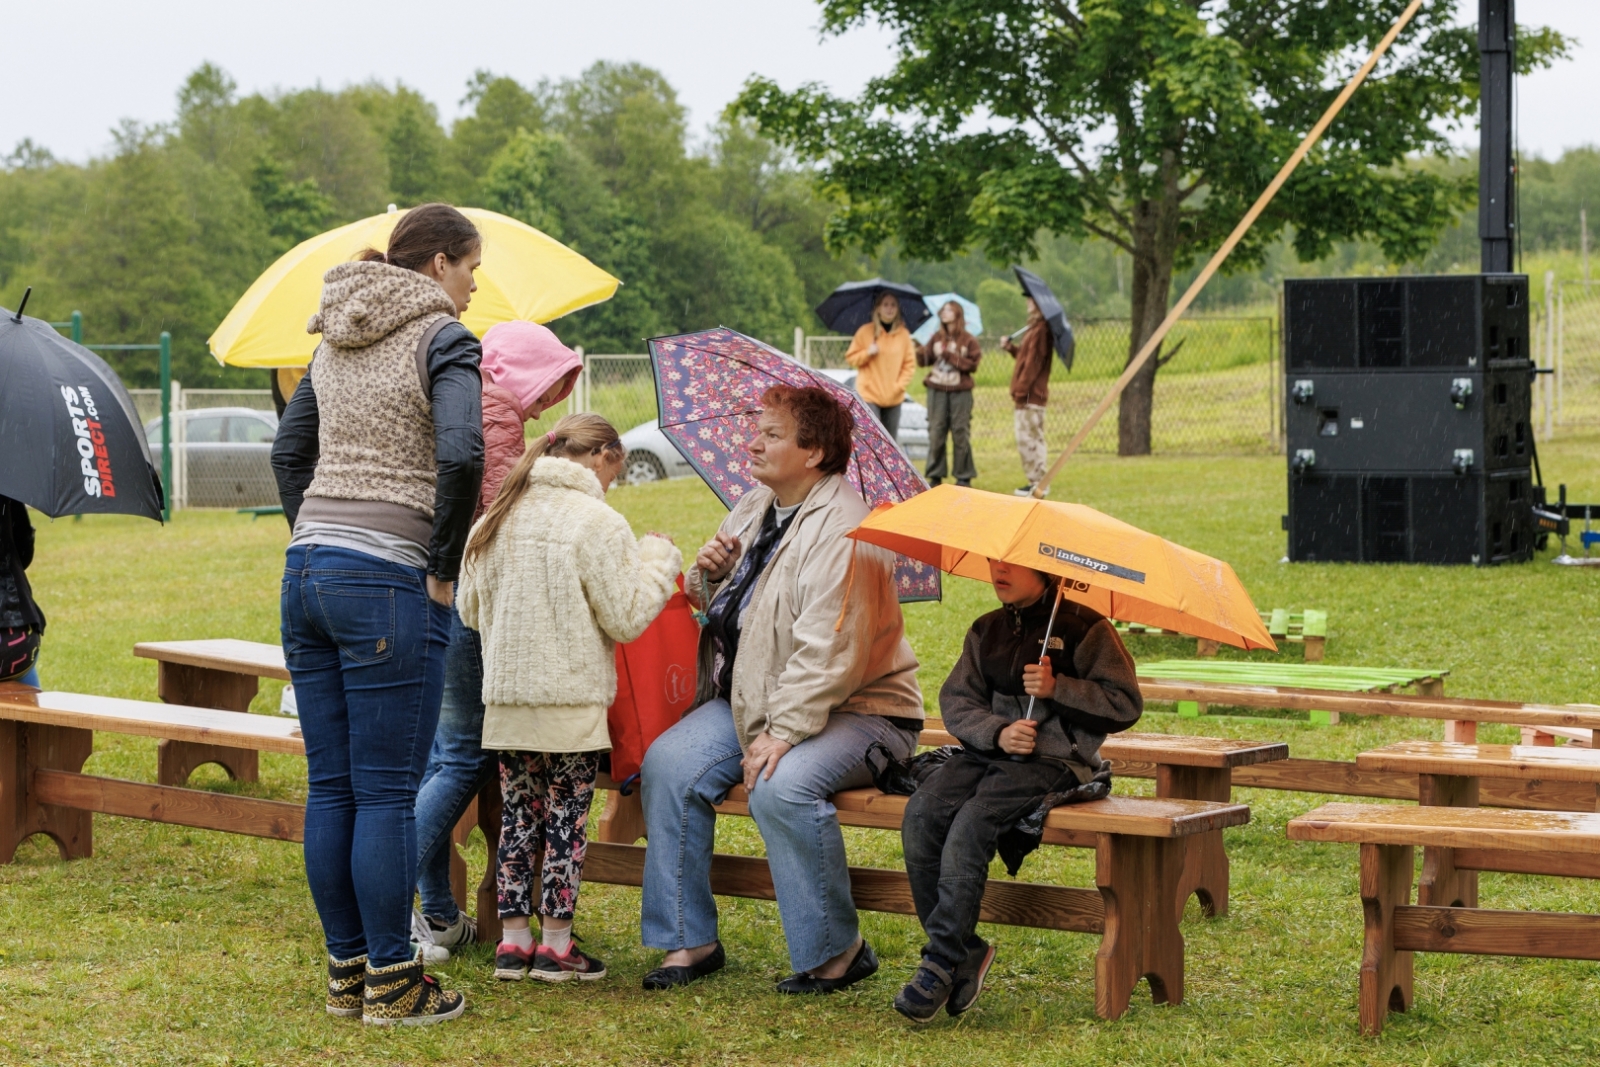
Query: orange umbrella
[1118,570]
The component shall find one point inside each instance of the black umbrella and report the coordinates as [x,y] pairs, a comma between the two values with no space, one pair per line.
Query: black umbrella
[1053,312]
[70,440]
[849,307]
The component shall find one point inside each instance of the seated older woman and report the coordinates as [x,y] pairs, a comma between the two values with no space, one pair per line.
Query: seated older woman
[803,665]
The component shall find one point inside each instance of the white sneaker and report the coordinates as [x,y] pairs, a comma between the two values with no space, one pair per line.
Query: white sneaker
[430,933]
[1026,490]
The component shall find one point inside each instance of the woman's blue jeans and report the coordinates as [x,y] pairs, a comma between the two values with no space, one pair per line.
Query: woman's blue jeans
[458,768]
[693,765]
[365,647]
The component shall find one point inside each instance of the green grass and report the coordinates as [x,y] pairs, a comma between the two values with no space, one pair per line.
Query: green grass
[182,946]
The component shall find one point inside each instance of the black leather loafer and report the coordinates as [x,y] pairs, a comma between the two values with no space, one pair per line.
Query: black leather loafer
[865,965]
[668,977]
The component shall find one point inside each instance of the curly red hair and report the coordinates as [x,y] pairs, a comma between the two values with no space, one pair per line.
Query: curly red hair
[820,422]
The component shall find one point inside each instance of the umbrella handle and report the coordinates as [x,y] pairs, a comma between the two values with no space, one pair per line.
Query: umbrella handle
[1044,654]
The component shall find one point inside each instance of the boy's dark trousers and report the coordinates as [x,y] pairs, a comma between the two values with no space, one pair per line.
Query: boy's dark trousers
[950,830]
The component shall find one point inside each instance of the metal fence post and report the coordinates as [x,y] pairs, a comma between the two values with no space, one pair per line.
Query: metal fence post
[77,327]
[1561,332]
[799,345]
[1549,343]
[166,419]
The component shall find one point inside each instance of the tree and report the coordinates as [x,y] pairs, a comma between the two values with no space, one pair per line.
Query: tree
[1151,124]
[500,107]
[295,211]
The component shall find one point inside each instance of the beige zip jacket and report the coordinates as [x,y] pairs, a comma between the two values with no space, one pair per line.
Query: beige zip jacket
[816,637]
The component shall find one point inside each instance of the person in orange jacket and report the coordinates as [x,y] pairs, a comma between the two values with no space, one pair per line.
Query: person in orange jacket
[885,358]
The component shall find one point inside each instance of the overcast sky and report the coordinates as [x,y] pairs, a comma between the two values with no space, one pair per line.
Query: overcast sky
[74,68]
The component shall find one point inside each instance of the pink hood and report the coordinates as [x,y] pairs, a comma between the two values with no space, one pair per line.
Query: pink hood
[526,359]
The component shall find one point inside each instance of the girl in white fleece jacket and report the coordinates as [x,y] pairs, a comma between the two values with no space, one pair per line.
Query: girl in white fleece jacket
[553,579]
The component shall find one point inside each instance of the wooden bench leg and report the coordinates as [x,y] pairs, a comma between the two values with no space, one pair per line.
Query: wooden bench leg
[622,822]
[458,866]
[1442,884]
[25,748]
[1532,735]
[1204,646]
[488,897]
[1315,646]
[1461,731]
[177,760]
[202,687]
[1385,972]
[1138,880]
[1205,865]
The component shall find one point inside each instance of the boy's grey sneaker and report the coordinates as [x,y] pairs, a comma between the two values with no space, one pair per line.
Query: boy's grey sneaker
[464,931]
[922,997]
[968,978]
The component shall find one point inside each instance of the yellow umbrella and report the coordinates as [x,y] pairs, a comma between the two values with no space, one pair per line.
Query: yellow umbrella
[525,275]
[1118,570]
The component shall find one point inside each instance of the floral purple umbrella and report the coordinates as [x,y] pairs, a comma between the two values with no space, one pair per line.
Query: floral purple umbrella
[708,393]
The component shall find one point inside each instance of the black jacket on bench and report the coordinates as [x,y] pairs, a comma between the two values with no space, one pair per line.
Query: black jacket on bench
[17,609]
[1097,692]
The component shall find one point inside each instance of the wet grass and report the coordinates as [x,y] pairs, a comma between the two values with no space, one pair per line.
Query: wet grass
[182,946]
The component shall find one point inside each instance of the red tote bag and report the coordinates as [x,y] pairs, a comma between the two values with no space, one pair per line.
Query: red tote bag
[655,685]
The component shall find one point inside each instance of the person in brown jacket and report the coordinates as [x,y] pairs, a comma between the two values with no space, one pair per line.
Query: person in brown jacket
[1030,392]
[952,354]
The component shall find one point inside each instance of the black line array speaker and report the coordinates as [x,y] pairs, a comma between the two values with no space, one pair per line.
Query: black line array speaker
[1408,411]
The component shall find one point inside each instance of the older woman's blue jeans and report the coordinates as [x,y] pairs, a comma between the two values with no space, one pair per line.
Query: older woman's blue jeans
[365,647]
[458,768]
[693,765]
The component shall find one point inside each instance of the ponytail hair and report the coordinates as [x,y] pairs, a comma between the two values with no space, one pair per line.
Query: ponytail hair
[422,233]
[573,436]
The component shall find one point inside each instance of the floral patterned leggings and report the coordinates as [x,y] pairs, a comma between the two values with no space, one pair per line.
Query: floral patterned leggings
[545,813]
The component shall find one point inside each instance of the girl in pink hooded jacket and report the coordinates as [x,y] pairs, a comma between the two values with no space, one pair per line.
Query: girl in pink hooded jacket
[526,371]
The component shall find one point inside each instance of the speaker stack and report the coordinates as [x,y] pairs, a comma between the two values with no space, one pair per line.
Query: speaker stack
[1408,409]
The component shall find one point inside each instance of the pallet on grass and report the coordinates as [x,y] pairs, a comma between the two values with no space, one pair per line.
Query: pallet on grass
[1321,676]
[1309,627]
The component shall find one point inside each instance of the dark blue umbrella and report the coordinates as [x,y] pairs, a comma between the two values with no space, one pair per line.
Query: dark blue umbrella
[70,439]
[849,307]
[1053,312]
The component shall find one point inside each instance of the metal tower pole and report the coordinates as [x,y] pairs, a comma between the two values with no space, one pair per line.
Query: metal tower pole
[1497,185]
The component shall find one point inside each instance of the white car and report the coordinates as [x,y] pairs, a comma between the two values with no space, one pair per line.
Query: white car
[651,456]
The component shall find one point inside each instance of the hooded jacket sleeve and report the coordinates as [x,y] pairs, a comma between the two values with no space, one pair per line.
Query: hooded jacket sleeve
[857,355]
[502,445]
[966,702]
[1106,698]
[457,390]
[295,448]
[627,582]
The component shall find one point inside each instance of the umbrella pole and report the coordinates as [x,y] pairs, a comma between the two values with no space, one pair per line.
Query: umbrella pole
[1249,220]
[1044,653]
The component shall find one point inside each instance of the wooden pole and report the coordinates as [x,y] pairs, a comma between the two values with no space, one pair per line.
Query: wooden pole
[1249,220]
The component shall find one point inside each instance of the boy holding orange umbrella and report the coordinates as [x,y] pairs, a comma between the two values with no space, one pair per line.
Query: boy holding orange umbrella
[1039,685]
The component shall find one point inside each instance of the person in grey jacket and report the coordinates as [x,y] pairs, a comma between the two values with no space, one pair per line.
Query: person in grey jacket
[1082,686]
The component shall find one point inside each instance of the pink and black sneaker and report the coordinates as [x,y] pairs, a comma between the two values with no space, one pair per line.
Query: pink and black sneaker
[511,962]
[549,967]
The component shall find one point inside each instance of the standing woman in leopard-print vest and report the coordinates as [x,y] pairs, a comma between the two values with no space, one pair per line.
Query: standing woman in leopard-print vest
[378,459]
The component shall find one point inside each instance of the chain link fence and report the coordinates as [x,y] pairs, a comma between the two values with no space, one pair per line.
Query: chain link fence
[1572,393]
[221,445]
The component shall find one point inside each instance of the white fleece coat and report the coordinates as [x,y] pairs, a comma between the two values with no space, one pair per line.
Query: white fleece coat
[562,582]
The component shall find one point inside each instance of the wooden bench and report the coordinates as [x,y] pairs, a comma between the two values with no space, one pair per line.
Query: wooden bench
[1185,768]
[1450,775]
[1140,850]
[1309,627]
[45,738]
[225,673]
[1140,843]
[1558,843]
[1348,779]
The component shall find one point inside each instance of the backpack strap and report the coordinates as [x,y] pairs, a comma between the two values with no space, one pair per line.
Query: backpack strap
[423,344]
